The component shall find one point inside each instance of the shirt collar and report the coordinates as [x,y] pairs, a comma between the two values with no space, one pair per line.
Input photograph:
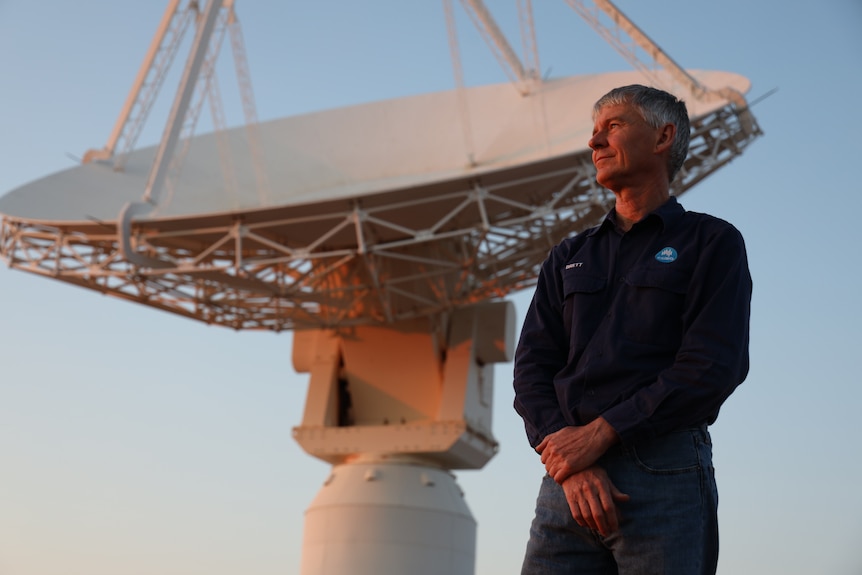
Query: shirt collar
[668,214]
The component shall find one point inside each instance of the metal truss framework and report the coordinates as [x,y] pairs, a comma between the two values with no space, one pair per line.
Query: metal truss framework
[376,259]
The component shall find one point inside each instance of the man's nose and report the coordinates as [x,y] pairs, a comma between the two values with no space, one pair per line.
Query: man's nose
[597,141]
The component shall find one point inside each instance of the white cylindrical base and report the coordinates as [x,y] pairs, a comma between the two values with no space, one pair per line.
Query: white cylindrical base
[389,518]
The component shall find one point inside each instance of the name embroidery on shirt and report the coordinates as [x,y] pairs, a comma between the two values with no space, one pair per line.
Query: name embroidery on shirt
[574,265]
[666,255]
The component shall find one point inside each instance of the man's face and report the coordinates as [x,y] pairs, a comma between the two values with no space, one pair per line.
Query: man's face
[624,148]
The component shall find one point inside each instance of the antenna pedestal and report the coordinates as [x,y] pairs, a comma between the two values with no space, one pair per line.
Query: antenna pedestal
[389,516]
[394,408]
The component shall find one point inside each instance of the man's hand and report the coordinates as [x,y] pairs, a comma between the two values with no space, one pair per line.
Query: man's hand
[573,449]
[592,499]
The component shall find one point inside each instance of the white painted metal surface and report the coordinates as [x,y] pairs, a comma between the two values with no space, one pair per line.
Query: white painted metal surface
[382,517]
[394,408]
[421,388]
[348,153]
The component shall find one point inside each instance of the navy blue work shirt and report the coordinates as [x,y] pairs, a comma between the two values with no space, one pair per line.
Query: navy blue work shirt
[647,328]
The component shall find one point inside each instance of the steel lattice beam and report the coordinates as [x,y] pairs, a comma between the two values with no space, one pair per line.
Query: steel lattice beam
[363,264]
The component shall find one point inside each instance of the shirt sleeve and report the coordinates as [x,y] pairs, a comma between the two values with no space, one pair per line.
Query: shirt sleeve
[713,358]
[541,353]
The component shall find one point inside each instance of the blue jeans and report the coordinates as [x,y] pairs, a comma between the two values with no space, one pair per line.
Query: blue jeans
[668,527]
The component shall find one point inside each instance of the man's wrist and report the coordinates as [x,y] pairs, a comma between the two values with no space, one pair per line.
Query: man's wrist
[606,435]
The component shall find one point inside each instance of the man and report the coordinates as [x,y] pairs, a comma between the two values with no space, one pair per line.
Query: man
[636,334]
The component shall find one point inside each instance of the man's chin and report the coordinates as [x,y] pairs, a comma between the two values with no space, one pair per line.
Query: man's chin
[604,180]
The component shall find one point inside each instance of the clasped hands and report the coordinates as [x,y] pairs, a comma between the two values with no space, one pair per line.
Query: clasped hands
[569,456]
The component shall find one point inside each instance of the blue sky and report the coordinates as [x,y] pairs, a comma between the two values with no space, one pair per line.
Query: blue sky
[133,441]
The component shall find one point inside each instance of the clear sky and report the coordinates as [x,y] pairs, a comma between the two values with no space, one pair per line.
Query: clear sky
[138,442]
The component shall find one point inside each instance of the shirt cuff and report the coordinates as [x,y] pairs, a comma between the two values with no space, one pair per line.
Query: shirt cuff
[628,422]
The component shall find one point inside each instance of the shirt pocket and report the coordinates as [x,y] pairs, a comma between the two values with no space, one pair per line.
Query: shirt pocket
[654,305]
[582,307]
[582,283]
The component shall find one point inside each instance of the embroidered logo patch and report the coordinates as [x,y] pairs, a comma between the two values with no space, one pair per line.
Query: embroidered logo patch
[666,255]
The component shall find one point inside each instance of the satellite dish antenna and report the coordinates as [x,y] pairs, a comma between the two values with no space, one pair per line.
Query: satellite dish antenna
[386,235]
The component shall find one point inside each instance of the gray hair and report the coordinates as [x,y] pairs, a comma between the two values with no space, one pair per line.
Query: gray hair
[657,108]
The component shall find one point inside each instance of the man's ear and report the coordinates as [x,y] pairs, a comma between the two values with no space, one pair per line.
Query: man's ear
[666,135]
